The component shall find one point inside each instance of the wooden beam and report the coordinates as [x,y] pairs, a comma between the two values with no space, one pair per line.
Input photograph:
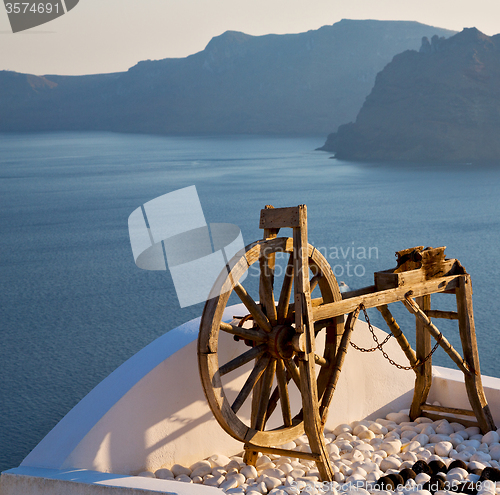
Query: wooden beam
[372,300]
[446,315]
[283,452]
[449,410]
[423,378]
[473,383]
[451,419]
[443,341]
[277,218]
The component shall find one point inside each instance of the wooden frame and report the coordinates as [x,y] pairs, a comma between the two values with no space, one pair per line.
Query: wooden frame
[283,337]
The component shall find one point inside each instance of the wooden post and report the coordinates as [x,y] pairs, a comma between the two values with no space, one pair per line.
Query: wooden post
[304,324]
[423,379]
[467,329]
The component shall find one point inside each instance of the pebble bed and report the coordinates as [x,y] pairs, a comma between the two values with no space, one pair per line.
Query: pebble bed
[388,456]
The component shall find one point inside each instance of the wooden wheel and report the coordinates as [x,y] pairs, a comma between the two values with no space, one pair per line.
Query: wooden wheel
[269,346]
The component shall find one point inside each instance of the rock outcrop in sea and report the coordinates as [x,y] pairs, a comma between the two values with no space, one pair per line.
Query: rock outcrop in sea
[439,104]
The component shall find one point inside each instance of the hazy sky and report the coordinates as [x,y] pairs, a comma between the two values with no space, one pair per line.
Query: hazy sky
[112,35]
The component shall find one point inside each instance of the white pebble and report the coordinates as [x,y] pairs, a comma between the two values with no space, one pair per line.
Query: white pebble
[481,457]
[297,473]
[261,487]
[390,463]
[201,469]
[436,438]
[422,419]
[398,417]
[217,460]
[456,439]
[358,429]
[392,446]
[273,473]
[476,465]
[302,440]
[177,470]
[422,478]
[445,428]
[472,430]
[211,480]
[238,477]
[236,491]
[333,448]
[412,446]
[491,437]
[343,428]
[366,435]
[408,435]
[461,456]
[164,473]
[249,472]
[232,464]
[229,483]
[422,439]
[451,477]
[286,468]
[443,448]
[494,451]
[378,428]
[184,478]
[147,474]
[428,430]
[271,482]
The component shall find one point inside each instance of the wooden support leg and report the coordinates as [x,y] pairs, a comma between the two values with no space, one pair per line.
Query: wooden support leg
[423,379]
[473,382]
[304,325]
[250,456]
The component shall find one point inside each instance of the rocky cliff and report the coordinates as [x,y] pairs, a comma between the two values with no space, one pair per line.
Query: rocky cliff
[441,103]
[307,83]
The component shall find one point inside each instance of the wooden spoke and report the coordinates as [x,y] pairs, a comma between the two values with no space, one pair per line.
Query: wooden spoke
[314,281]
[244,333]
[256,373]
[292,368]
[265,392]
[266,288]
[259,317]
[324,363]
[245,358]
[281,378]
[286,291]
[275,396]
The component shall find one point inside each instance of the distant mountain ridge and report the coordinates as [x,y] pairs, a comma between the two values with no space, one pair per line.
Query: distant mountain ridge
[306,83]
[439,104]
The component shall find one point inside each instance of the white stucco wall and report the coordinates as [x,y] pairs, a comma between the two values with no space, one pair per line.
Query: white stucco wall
[152,412]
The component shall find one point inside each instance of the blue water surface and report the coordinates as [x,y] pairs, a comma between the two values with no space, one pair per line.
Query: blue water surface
[73,305]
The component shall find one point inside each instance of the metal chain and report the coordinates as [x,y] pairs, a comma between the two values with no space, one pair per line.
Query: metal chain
[379,346]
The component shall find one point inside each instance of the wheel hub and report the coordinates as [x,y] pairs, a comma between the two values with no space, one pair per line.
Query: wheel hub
[280,341]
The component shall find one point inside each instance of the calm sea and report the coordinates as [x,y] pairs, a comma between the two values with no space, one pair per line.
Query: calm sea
[74,306]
